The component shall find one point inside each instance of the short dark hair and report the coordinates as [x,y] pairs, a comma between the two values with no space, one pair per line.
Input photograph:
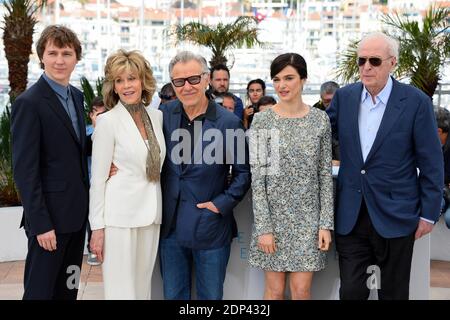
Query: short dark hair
[167,91]
[329,87]
[265,100]
[289,59]
[96,102]
[259,81]
[228,95]
[218,67]
[61,37]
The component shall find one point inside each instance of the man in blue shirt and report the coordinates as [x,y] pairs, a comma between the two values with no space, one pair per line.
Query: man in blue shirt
[220,84]
[387,134]
[50,169]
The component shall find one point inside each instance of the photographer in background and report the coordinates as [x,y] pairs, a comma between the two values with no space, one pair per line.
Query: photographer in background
[256,89]
[263,103]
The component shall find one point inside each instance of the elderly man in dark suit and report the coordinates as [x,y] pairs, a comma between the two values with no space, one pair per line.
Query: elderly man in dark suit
[50,169]
[391,173]
[198,224]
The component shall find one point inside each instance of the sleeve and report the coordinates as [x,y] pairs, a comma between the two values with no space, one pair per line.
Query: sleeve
[240,182]
[429,160]
[26,152]
[239,108]
[259,163]
[332,112]
[325,178]
[102,158]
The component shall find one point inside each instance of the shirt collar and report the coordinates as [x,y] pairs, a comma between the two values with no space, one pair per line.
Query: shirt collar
[58,88]
[384,94]
[210,113]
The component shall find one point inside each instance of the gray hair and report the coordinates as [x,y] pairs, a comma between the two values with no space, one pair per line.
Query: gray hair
[186,56]
[392,43]
[328,87]
[442,119]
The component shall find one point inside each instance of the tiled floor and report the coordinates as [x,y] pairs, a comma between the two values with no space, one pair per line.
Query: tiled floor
[91,286]
[11,287]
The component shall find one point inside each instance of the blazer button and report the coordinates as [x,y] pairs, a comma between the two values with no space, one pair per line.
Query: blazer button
[363,171]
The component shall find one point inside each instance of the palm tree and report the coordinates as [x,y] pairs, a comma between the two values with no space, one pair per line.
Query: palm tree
[423,49]
[18,29]
[89,94]
[18,38]
[219,39]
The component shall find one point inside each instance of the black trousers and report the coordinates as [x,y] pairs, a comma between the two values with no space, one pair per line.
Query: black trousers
[369,261]
[54,275]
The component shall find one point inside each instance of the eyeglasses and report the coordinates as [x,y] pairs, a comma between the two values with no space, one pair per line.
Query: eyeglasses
[374,61]
[179,82]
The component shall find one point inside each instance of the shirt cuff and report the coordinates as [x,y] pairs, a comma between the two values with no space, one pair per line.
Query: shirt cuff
[427,220]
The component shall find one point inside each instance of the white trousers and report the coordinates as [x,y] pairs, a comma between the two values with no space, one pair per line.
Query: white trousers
[129,258]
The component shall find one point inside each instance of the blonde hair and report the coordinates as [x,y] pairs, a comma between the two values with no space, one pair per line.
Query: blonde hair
[131,61]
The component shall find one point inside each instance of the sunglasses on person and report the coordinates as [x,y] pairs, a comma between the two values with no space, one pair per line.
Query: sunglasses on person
[179,82]
[374,61]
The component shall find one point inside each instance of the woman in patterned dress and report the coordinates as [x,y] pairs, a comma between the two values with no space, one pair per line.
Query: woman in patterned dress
[291,184]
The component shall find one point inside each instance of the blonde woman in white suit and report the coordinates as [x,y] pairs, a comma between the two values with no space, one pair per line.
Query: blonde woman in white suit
[125,209]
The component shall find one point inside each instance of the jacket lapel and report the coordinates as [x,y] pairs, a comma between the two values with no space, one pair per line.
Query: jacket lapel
[56,107]
[78,103]
[174,124]
[353,105]
[131,129]
[155,124]
[394,109]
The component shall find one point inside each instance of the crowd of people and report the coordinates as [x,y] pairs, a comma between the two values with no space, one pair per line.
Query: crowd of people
[147,181]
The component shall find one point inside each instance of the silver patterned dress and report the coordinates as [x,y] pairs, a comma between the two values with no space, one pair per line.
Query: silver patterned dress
[292,189]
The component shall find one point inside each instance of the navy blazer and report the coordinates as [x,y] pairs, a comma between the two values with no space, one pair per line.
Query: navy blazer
[49,161]
[407,140]
[200,228]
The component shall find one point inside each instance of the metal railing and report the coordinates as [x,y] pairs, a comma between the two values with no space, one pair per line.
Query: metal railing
[311,93]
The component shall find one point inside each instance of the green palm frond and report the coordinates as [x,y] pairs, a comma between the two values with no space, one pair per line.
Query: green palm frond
[8,192]
[347,69]
[89,94]
[424,48]
[18,28]
[222,37]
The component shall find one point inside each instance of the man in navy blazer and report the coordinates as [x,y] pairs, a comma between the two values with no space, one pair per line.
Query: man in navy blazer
[390,177]
[198,224]
[50,169]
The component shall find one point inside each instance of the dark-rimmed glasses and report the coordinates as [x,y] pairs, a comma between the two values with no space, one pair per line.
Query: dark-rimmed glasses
[179,82]
[374,61]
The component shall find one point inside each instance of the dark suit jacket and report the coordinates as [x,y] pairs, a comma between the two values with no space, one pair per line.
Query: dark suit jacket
[49,162]
[407,140]
[200,228]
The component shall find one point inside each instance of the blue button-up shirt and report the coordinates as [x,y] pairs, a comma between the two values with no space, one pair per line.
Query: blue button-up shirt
[370,116]
[65,97]
[369,119]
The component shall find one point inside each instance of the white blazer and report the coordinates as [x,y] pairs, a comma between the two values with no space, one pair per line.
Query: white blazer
[127,199]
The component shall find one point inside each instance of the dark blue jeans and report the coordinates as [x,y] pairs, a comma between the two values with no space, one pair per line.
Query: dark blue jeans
[176,269]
